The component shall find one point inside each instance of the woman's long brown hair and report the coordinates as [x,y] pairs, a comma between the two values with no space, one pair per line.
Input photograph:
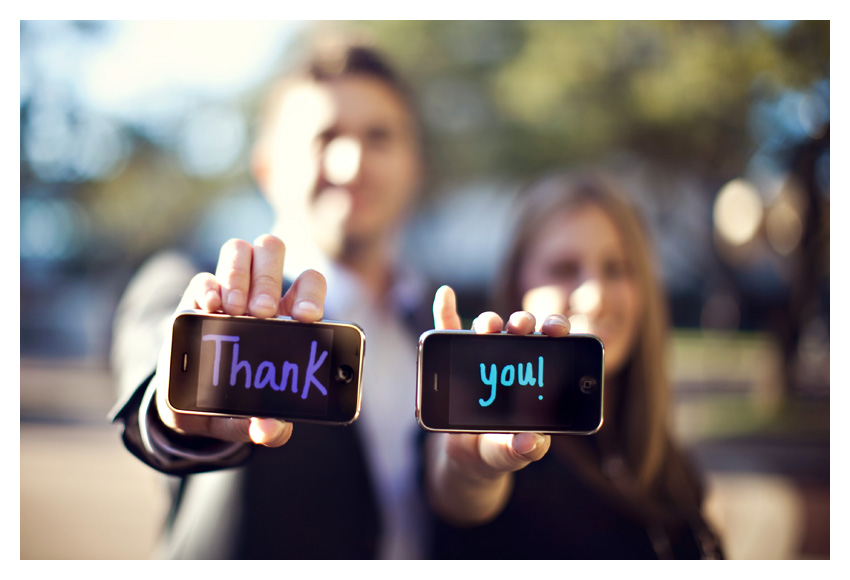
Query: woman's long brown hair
[643,385]
[659,484]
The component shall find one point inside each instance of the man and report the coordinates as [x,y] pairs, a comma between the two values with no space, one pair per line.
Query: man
[339,160]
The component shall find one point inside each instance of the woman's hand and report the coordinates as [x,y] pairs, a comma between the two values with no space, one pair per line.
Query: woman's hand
[248,281]
[469,475]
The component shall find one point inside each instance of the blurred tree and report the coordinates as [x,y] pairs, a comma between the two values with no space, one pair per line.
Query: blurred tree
[510,99]
[503,101]
[516,97]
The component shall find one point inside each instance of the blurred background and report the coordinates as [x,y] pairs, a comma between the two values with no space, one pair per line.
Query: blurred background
[134,137]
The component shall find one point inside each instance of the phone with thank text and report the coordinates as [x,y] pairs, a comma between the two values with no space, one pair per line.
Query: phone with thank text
[274,367]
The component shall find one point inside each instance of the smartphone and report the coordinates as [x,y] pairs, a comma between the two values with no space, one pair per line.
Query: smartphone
[274,367]
[506,383]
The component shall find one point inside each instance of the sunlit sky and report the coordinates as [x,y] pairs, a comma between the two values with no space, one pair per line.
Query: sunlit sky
[177,81]
[136,65]
[146,59]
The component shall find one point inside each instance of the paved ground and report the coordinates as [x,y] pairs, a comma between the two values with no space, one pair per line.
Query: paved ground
[83,496]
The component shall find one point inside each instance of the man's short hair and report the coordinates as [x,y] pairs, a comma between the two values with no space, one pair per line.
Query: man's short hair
[327,63]
[330,63]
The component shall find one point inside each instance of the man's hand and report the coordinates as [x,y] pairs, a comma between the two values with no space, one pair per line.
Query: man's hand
[248,281]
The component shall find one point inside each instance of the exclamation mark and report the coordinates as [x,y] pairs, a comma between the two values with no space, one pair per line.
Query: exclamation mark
[540,375]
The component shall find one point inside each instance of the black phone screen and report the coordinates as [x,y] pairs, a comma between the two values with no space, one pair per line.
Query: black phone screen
[504,382]
[265,368]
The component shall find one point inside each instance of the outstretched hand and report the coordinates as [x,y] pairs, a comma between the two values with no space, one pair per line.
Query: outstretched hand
[248,281]
[469,473]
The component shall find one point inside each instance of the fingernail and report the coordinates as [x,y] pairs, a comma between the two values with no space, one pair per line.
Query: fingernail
[212,298]
[308,307]
[558,321]
[235,298]
[264,302]
[525,443]
[517,317]
[278,427]
[265,430]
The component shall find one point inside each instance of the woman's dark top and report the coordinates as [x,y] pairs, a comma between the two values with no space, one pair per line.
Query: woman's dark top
[556,513]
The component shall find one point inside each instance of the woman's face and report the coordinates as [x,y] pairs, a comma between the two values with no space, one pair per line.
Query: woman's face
[577,265]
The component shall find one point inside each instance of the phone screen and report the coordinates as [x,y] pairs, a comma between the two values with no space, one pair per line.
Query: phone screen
[471,382]
[265,368]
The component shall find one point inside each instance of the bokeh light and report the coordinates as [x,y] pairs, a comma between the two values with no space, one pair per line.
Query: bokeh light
[51,229]
[213,139]
[737,212]
[784,221]
[342,160]
[543,301]
[586,297]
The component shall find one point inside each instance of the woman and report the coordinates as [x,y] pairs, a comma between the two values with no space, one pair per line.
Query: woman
[627,491]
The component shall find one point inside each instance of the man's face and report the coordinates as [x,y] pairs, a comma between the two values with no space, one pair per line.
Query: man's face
[344,157]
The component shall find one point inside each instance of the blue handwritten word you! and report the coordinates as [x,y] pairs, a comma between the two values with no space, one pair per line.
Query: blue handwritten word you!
[266,373]
[509,374]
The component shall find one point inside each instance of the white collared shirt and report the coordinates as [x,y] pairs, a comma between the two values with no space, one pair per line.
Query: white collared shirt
[387,417]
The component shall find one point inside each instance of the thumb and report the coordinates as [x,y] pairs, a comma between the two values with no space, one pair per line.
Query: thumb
[269,432]
[511,452]
[445,309]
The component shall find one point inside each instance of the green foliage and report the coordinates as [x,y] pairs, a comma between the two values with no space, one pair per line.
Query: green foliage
[514,97]
[504,100]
